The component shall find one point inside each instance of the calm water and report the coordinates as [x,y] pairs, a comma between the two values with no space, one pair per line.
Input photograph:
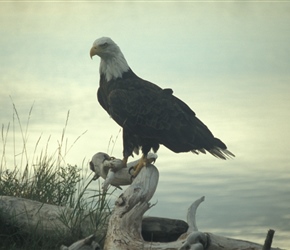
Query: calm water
[228,61]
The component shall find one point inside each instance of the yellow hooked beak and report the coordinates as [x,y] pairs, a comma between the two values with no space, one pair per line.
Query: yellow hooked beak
[93,52]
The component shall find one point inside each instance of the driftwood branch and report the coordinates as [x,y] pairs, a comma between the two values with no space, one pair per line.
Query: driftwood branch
[87,243]
[129,210]
[124,229]
[269,239]
[112,170]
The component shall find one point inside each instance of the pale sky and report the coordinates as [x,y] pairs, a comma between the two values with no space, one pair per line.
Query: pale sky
[229,61]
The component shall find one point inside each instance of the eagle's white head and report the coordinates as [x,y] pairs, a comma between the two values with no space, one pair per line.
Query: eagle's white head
[113,63]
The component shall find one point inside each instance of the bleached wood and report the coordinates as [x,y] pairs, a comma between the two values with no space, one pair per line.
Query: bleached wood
[113,171]
[124,229]
[34,216]
[87,243]
[191,215]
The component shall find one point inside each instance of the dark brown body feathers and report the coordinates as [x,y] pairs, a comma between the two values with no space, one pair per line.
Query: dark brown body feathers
[151,116]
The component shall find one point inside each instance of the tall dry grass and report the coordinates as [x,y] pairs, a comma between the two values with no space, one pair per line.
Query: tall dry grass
[47,178]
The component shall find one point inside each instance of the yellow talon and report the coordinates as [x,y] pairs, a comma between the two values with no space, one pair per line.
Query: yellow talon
[142,163]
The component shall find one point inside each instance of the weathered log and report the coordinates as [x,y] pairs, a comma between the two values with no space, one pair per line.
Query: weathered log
[34,216]
[87,243]
[45,219]
[124,229]
[162,229]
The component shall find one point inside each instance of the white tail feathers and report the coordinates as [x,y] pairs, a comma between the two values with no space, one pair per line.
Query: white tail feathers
[216,152]
[221,153]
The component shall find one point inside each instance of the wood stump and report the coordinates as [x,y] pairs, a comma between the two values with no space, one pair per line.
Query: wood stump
[124,229]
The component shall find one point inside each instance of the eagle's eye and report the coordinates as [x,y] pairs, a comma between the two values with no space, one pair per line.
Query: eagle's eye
[104,45]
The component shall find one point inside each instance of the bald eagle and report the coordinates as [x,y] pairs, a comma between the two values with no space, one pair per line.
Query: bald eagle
[148,114]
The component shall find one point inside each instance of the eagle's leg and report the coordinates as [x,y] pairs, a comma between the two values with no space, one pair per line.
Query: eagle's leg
[143,162]
[125,160]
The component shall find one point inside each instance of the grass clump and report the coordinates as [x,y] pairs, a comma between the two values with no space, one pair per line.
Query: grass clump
[48,179]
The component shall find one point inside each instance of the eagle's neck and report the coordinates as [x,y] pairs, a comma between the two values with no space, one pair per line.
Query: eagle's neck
[113,67]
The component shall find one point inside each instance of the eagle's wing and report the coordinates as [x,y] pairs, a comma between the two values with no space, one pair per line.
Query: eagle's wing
[145,110]
[142,109]
[151,112]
